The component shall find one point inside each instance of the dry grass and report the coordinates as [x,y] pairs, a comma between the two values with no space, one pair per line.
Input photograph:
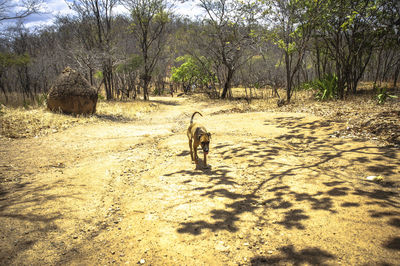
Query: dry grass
[124,111]
[304,101]
[19,122]
[362,115]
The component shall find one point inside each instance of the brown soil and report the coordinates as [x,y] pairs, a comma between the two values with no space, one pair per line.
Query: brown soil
[282,188]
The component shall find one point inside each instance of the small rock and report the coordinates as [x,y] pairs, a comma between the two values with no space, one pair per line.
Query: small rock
[269,252]
[113,252]
[374,178]
[75,237]
[246,244]
[142,261]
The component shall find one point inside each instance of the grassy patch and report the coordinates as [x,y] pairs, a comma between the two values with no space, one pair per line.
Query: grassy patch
[37,121]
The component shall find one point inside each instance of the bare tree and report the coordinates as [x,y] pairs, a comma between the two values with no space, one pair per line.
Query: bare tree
[293,24]
[18,9]
[99,13]
[150,18]
[226,36]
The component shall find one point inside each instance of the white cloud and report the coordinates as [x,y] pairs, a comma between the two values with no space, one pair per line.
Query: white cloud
[53,8]
[189,9]
[50,9]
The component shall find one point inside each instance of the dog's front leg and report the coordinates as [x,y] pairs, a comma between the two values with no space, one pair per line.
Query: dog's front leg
[195,155]
[205,159]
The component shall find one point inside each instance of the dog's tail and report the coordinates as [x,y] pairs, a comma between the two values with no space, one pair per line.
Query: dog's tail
[191,120]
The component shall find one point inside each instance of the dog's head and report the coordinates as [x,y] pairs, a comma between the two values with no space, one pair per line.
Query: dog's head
[205,141]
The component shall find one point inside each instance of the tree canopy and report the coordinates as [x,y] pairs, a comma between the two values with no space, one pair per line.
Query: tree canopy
[278,43]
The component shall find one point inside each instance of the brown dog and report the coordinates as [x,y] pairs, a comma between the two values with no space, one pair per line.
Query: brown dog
[198,135]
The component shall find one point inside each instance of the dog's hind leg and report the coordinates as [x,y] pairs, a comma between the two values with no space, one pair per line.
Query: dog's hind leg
[191,149]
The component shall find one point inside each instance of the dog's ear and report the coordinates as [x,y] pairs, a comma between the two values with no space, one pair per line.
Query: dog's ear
[209,135]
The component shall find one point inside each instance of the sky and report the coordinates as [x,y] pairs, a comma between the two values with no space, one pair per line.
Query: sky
[53,8]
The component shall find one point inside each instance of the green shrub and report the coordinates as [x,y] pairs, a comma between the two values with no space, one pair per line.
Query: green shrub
[383,95]
[325,88]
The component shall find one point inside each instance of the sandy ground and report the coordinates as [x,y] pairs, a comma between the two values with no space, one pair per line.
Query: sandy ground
[280,189]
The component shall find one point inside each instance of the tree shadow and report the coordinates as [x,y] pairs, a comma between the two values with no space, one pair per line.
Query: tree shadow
[394,222]
[393,243]
[310,256]
[183,154]
[114,118]
[166,102]
[292,219]
[18,208]
[223,219]
[261,154]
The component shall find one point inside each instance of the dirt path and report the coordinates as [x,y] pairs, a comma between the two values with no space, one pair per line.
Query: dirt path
[281,190]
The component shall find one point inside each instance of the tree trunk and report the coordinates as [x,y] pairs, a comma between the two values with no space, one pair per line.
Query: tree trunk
[288,78]
[227,84]
[318,67]
[396,74]
[378,67]
[4,91]
[107,85]
[146,81]
[340,88]
[145,90]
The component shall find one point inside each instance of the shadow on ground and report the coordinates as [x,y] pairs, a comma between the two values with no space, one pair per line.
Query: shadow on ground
[265,184]
[23,209]
[308,256]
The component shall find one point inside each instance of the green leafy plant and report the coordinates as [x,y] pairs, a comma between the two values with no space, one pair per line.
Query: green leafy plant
[326,88]
[383,96]
[191,71]
[41,99]
[98,75]
[101,97]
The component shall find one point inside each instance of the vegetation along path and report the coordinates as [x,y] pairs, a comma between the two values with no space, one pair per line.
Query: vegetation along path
[281,189]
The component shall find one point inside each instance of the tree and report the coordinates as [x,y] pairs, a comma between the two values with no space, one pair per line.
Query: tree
[293,23]
[98,13]
[149,22]
[8,60]
[191,72]
[18,9]
[351,31]
[227,35]
[126,73]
